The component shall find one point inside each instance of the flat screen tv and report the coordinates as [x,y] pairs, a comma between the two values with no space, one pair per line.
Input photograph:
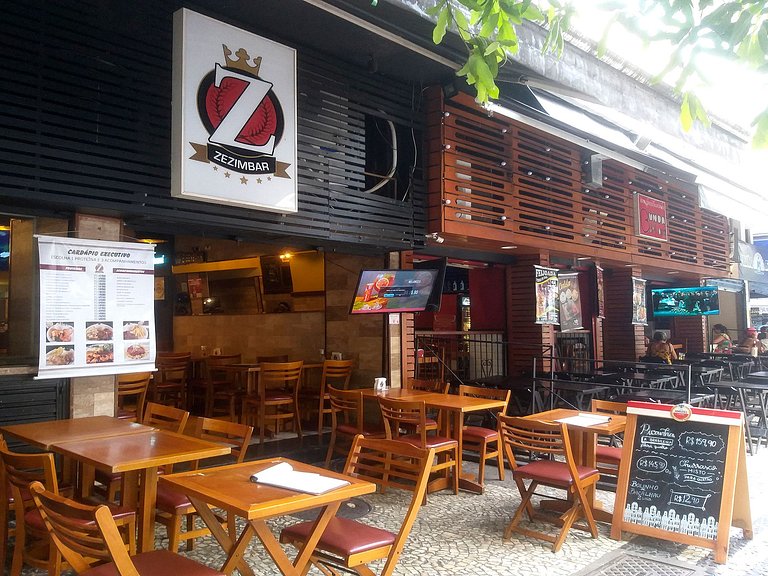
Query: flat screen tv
[5,248]
[440,265]
[692,301]
[380,291]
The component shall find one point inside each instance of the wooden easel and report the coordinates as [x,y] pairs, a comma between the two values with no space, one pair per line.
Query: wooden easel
[639,457]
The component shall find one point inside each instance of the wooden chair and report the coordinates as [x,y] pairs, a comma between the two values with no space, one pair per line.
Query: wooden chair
[169,384]
[403,414]
[479,438]
[216,385]
[347,420]
[33,545]
[6,510]
[439,386]
[551,440]
[336,373]
[156,415]
[87,536]
[608,455]
[277,398]
[272,359]
[347,545]
[173,506]
[132,395]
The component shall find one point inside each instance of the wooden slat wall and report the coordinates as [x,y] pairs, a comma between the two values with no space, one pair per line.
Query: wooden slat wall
[692,332]
[621,339]
[408,328]
[497,179]
[86,122]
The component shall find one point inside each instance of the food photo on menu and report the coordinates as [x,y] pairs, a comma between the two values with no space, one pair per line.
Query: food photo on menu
[138,351]
[98,331]
[60,331]
[59,355]
[99,353]
[135,330]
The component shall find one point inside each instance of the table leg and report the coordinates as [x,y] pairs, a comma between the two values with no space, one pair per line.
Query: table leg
[146,508]
[745,409]
[234,550]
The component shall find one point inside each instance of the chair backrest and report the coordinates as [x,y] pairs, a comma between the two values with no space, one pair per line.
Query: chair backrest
[132,391]
[535,436]
[608,407]
[233,434]
[283,375]
[172,367]
[165,417]
[390,463]
[85,535]
[346,407]
[403,414]
[214,362]
[427,384]
[336,373]
[488,393]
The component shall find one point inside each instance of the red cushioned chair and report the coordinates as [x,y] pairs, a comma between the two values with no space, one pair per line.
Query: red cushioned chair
[548,439]
[88,538]
[347,545]
[608,452]
[485,441]
[347,420]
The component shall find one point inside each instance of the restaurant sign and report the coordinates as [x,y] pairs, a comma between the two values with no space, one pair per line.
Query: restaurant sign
[547,309]
[650,217]
[234,116]
[96,307]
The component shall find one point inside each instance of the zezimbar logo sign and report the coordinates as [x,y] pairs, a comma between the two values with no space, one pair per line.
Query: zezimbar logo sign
[235,117]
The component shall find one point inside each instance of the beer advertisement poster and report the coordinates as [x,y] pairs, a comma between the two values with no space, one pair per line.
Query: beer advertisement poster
[639,310]
[569,301]
[234,135]
[547,309]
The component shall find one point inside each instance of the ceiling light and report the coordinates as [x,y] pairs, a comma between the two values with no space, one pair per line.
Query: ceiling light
[508,247]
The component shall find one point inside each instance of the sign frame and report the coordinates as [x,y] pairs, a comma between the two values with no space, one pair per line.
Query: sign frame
[651,219]
[734,503]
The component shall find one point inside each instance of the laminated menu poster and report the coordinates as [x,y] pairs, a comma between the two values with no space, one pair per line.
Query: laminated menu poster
[570,301]
[547,309]
[683,477]
[96,307]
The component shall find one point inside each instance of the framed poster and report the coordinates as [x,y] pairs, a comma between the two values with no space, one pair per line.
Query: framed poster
[651,218]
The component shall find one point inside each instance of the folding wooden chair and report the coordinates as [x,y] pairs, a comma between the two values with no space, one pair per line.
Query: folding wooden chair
[173,507]
[348,545]
[485,441]
[347,420]
[87,536]
[33,545]
[550,440]
[403,415]
[608,454]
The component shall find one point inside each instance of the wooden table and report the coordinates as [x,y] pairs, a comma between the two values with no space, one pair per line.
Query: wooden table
[584,444]
[230,488]
[251,371]
[457,406]
[137,457]
[44,434]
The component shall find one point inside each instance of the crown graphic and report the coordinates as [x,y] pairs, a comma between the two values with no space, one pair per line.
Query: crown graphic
[241,63]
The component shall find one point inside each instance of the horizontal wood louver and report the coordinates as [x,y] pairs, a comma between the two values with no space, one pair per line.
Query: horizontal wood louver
[86,121]
[497,179]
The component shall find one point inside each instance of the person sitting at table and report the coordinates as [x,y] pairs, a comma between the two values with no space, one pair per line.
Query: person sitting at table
[749,344]
[722,343]
[660,348]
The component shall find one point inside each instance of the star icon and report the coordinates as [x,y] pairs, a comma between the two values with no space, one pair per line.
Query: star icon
[243,180]
[227,174]
[269,178]
[215,168]
[258,180]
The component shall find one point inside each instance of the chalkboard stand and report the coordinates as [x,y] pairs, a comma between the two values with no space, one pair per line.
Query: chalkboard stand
[657,446]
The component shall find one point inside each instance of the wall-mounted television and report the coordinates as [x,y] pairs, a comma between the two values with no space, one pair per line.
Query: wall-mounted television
[380,291]
[688,301]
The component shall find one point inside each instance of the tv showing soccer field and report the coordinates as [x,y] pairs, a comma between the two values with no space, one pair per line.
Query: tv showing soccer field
[380,291]
[688,301]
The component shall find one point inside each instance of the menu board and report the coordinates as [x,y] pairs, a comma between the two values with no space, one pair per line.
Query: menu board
[96,307]
[570,301]
[678,480]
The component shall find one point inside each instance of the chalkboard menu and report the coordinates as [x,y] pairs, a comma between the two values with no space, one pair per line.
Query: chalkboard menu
[683,476]
[676,476]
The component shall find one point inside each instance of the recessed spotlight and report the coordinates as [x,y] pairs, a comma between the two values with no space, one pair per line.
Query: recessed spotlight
[508,247]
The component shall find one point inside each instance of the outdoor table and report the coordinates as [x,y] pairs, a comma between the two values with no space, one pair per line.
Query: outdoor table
[584,445]
[584,391]
[742,387]
[230,488]
[138,457]
[455,405]
[638,378]
[664,397]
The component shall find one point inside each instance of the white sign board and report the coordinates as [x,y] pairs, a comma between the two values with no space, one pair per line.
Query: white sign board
[234,116]
[96,307]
